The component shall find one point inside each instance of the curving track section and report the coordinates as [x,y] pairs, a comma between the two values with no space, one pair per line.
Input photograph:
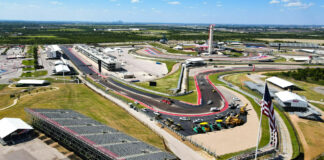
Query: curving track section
[203,84]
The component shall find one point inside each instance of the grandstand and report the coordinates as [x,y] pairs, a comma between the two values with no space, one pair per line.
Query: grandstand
[92,139]
[295,45]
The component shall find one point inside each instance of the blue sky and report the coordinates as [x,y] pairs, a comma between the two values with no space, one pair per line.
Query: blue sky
[302,12]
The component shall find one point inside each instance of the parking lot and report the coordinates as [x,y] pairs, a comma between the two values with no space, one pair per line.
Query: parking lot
[10,68]
[142,69]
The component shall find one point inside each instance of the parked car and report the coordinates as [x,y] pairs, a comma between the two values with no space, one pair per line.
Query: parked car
[184,118]
[214,109]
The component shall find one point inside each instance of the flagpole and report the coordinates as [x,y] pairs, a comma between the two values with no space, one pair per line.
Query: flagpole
[257,144]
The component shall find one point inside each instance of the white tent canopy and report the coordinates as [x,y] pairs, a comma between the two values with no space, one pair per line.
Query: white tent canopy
[31,82]
[62,69]
[280,82]
[10,125]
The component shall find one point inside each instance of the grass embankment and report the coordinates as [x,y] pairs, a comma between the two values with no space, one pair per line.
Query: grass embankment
[83,100]
[169,64]
[5,96]
[238,79]
[166,84]
[171,50]
[126,100]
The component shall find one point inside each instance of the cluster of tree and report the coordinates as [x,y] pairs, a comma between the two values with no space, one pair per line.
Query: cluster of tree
[42,33]
[35,55]
[312,75]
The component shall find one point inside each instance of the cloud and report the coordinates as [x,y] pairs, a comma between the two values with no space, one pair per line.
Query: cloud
[298,4]
[174,2]
[274,2]
[56,3]
[292,3]
[134,1]
[219,4]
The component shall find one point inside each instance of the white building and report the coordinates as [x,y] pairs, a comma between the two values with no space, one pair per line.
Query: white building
[280,82]
[107,62]
[290,99]
[195,62]
[61,68]
[31,82]
[12,129]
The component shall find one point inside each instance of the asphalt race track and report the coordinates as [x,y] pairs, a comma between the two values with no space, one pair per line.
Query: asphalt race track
[206,91]
[204,87]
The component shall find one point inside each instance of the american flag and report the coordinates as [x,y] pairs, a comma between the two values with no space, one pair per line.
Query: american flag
[267,108]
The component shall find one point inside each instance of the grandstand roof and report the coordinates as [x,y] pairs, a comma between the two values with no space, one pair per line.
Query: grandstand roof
[280,82]
[31,82]
[62,68]
[107,140]
[10,125]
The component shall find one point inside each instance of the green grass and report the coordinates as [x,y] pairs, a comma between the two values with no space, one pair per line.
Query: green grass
[81,99]
[2,86]
[171,50]
[39,36]
[292,133]
[34,74]
[40,73]
[28,62]
[28,69]
[280,60]
[169,64]
[165,84]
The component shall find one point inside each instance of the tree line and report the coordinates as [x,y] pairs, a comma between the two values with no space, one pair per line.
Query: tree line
[311,75]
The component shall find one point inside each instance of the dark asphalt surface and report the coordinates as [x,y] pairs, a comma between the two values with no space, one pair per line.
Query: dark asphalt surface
[178,107]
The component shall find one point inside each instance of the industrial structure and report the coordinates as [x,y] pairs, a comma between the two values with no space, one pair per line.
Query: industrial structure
[53,52]
[211,39]
[195,62]
[291,101]
[13,130]
[91,139]
[62,67]
[258,88]
[107,62]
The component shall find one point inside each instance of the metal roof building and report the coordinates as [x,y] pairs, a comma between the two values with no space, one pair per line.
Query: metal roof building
[108,62]
[290,99]
[91,139]
[11,128]
[32,82]
[258,88]
[280,82]
[62,69]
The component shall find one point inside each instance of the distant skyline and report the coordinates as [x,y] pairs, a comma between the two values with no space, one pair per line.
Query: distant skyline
[286,12]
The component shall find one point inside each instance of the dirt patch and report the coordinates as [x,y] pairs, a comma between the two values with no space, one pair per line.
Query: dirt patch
[311,135]
[234,139]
